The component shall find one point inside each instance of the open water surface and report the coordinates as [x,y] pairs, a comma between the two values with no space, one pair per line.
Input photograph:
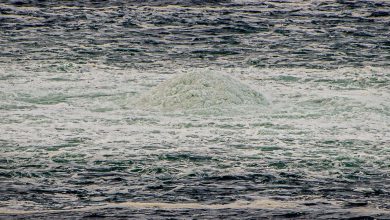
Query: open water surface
[75,142]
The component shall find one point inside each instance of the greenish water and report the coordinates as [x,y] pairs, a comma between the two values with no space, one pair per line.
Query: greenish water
[69,144]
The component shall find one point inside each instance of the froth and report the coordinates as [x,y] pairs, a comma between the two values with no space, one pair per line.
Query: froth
[200,90]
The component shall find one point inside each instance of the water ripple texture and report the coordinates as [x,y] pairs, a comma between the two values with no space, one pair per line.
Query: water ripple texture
[212,109]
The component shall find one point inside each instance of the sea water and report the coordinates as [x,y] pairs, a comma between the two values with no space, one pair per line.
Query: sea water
[231,109]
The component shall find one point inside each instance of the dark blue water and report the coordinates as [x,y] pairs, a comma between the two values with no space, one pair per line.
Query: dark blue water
[281,33]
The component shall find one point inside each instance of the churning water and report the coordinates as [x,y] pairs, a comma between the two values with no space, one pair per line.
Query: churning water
[200,89]
[192,109]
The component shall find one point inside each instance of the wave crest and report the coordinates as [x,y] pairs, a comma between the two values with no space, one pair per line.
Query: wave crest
[200,90]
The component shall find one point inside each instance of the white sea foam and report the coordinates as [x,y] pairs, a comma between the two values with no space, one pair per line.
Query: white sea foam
[322,124]
[202,89]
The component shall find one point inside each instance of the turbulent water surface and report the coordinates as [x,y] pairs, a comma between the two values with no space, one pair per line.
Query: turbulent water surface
[195,109]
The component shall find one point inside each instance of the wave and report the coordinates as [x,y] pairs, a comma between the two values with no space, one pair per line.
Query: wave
[202,89]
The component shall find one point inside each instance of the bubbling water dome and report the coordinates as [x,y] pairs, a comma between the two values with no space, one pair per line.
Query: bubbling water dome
[196,90]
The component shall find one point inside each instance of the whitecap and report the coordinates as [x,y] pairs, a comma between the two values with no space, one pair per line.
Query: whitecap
[197,90]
